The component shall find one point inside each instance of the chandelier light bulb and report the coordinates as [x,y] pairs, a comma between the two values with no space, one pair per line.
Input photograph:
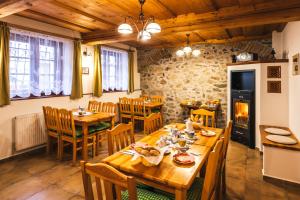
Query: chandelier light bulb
[180,53]
[196,52]
[125,29]
[153,28]
[187,49]
[144,35]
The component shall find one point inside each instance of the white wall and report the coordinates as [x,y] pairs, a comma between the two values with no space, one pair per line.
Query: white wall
[274,106]
[21,107]
[291,45]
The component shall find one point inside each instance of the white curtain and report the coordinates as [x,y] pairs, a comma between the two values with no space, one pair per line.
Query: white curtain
[39,64]
[114,69]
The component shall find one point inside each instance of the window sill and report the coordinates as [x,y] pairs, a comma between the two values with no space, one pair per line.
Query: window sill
[61,95]
[37,97]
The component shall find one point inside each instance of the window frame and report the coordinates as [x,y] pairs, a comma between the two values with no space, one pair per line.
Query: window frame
[116,49]
[60,43]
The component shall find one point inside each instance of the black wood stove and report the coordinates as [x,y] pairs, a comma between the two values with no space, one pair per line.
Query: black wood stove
[243,107]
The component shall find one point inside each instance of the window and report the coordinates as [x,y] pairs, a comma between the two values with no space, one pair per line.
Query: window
[39,65]
[114,69]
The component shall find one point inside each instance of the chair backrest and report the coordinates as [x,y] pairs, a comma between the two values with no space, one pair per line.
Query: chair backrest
[66,122]
[110,178]
[138,106]
[152,123]
[94,105]
[125,105]
[145,97]
[207,116]
[108,107]
[120,137]
[51,118]
[156,99]
[212,172]
[227,135]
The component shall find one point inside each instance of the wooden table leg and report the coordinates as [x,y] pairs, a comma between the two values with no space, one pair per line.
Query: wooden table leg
[85,142]
[161,113]
[112,122]
[180,194]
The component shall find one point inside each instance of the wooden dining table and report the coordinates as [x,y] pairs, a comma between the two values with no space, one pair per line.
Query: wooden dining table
[88,120]
[168,175]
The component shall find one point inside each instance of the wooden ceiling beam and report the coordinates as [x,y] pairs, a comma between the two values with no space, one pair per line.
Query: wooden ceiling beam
[208,41]
[52,20]
[9,7]
[75,10]
[261,18]
[228,33]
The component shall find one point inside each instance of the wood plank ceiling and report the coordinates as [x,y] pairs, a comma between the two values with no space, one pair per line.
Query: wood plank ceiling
[208,21]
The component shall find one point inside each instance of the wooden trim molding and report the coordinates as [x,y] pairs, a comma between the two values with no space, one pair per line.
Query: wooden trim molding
[259,61]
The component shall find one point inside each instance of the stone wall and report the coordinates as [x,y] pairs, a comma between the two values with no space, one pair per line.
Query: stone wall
[203,78]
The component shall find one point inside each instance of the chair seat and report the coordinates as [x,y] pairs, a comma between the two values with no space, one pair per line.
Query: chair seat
[194,193]
[79,132]
[102,126]
[156,110]
[143,194]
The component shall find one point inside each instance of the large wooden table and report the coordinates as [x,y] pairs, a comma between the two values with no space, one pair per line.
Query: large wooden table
[167,176]
[86,121]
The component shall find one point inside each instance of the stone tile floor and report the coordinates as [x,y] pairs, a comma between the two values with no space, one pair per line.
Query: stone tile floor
[39,177]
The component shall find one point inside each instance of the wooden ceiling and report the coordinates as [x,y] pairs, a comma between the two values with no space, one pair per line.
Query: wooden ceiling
[208,21]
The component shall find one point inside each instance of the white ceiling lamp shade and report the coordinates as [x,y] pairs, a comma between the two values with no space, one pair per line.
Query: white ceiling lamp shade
[196,52]
[187,51]
[145,27]
[125,28]
[153,28]
[179,53]
[144,35]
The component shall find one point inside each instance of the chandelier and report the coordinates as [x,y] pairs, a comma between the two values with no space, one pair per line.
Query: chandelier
[149,26]
[187,50]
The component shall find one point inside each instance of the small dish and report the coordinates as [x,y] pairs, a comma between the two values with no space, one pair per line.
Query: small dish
[184,158]
[208,133]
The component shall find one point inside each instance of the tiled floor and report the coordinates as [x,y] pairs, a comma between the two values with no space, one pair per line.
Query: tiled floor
[38,177]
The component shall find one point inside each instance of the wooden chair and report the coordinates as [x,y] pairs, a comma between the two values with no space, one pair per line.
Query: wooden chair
[52,127]
[213,172]
[110,178]
[125,105]
[207,116]
[206,189]
[145,97]
[94,105]
[152,123]
[71,134]
[156,99]
[227,135]
[107,107]
[120,137]
[139,111]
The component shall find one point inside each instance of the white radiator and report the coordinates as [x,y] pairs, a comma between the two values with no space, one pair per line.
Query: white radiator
[28,132]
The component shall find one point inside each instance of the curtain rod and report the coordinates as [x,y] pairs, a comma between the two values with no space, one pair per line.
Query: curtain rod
[40,31]
[122,49]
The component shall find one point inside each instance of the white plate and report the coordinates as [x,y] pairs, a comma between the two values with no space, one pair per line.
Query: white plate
[281,139]
[85,114]
[208,133]
[277,131]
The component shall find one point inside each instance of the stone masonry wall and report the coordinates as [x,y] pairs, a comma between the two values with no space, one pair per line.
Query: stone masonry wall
[203,78]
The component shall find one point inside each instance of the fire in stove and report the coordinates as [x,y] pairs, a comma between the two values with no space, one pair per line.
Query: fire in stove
[241,114]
